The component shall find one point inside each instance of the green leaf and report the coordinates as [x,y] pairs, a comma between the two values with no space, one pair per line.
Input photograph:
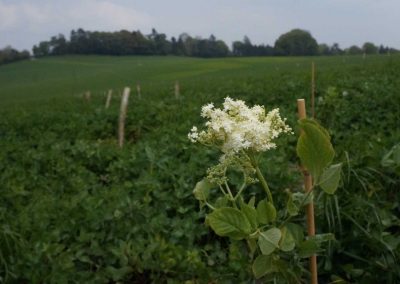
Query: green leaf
[302,199]
[320,238]
[252,201]
[392,158]
[292,209]
[268,241]
[287,242]
[314,147]
[263,265]
[330,178]
[252,243]
[119,273]
[202,190]
[229,222]
[221,202]
[266,212]
[251,215]
[296,201]
[308,248]
[297,232]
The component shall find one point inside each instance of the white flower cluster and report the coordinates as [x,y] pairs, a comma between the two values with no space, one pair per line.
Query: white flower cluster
[237,127]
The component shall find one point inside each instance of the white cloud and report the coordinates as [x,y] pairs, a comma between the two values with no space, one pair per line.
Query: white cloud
[105,15]
[89,14]
[26,22]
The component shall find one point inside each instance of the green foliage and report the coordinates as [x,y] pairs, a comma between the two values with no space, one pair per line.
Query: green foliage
[370,48]
[296,42]
[9,54]
[229,222]
[287,242]
[314,148]
[266,212]
[202,190]
[268,240]
[263,265]
[250,223]
[75,208]
[330,178]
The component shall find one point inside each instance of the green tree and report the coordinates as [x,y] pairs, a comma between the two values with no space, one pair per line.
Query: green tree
[43,49]
[58,45]
[370,48]
[296,42]
[160,43]
[323,49]
[383,50]
[188,44]
[354,49]
[9,54]
[246,48]
[336,50]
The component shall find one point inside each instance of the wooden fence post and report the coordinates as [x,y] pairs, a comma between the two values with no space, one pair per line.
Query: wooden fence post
[122,116]
[87,96]
[109,96]
[313,90]
[177,90]
[301,107]
[139,93]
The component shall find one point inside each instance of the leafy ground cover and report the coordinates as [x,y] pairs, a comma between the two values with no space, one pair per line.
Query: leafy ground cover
[76,208]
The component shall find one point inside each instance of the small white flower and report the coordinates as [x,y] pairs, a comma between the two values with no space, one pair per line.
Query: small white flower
[237,127]
[206,110]
[193,134]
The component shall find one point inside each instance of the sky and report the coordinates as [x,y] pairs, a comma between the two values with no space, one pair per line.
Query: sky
[24,23]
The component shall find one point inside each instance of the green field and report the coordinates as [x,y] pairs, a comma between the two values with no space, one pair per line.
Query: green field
[67,76]
[75,208]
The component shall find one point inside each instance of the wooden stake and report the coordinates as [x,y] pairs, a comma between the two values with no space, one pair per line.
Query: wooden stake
[109,96]
[87,96]
[139,94]
[301,107]
[313,89]
[122,116]
[177,91]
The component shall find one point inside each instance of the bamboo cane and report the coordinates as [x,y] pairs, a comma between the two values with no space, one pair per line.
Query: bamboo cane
[122,116]
[177,90]
[139,93]
[313,89]
[310,207]
[109,96]
[87,96]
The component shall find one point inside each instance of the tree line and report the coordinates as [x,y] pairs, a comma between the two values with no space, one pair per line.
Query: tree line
[9,54]
[296,42]
[131,43]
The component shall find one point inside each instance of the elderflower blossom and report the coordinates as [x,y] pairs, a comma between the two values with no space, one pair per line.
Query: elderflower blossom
[237,127]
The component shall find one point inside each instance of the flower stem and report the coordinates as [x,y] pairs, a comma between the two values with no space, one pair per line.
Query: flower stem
[240,190]
[260,176]
[264,184]
[210,206]
[233,199]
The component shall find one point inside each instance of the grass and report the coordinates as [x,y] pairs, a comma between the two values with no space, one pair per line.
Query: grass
[77,208]
[55,77]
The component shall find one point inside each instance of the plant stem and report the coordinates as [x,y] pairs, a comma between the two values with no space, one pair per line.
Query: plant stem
[210,206]
[260,176]
[264,184]
[233,199]
[300,207]
[222,189]
[240,190]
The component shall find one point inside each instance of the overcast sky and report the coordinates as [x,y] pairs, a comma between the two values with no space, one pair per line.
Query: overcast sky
[24,23]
